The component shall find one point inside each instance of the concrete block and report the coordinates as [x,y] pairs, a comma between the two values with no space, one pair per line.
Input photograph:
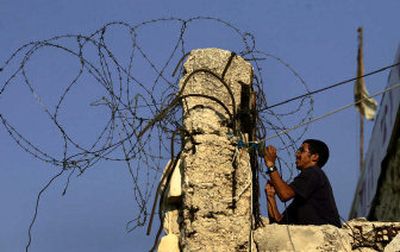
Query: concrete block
[175,185]
[169,243]
[394,245]
[171,221]
[276,237]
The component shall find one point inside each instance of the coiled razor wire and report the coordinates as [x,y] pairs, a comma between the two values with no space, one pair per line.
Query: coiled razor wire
[135,93]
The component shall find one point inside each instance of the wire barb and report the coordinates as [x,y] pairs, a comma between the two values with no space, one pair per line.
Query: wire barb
[136,115]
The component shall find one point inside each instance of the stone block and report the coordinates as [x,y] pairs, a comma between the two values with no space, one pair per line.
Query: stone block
[171,221]
[174,190]
[276,237]
[169,243]
[394,245]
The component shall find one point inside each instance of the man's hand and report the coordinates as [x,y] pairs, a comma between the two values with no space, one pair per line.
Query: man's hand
[273,211]
[269,189]
[269,156]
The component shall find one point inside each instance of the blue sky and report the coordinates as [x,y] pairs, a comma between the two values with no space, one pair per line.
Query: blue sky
[317,38]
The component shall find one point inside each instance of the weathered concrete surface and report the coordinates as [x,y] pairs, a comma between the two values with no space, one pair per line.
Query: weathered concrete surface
[213,60]
[171,220]
[169,243]
[356,235]
[276,237]
[174,190]
[394,245]
[170,209]
[374,235]
[217,178]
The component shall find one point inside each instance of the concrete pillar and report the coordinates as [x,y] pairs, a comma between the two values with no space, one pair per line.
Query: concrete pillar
[217,177]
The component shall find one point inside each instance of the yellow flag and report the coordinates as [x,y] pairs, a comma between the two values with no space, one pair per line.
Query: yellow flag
[368,105]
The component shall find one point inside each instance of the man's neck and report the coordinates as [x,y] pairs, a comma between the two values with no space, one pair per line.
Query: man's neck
[308,167]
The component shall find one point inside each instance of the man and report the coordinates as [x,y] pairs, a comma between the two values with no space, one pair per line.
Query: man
[313,201]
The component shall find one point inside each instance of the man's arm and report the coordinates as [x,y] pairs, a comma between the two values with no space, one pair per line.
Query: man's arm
[284,191]
[273,212]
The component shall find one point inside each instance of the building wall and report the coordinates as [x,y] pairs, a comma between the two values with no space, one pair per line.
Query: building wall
[387,204]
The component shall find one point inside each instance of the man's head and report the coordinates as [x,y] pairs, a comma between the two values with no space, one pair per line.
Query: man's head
[312,153]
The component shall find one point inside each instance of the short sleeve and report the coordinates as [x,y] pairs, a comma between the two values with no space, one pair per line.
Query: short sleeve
[307,181]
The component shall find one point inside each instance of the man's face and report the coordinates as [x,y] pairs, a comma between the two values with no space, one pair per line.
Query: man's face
[304,159]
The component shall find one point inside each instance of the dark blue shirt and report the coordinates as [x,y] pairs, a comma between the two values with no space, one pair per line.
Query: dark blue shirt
[313,203]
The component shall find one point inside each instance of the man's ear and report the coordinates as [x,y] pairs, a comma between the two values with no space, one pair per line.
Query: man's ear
[315,157]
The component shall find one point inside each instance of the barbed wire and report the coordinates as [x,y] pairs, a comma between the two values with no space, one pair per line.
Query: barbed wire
[137,94]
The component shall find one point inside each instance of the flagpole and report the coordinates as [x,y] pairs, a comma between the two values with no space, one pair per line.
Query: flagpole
[367,105]
[360,62]
[361,142]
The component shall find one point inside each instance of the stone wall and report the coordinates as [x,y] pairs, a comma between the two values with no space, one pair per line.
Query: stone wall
[355,235]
